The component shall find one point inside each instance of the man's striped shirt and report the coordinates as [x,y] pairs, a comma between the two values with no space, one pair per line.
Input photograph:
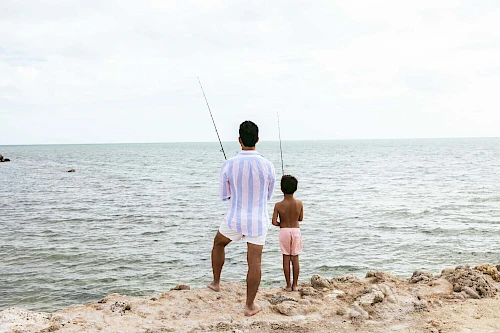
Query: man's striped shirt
[247,181]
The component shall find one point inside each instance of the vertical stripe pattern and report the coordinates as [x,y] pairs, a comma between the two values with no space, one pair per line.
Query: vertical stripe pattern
[247,181]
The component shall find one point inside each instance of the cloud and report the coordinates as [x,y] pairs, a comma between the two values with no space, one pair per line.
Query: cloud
[344,69]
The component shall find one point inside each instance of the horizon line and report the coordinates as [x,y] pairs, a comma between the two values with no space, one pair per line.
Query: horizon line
[234,141]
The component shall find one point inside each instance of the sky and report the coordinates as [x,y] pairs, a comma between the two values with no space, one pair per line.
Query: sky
[126,71]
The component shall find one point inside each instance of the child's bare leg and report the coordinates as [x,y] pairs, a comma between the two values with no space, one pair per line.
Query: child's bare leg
[296,270]
[286,270]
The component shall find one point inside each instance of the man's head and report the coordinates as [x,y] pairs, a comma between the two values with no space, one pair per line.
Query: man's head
[288,184]
[249,133]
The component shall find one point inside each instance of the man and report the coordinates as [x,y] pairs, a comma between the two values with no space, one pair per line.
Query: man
[247,181]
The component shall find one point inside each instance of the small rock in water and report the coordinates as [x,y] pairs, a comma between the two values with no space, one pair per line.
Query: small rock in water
[71,170]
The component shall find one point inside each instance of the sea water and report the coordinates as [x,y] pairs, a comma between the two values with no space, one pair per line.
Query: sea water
[137,219]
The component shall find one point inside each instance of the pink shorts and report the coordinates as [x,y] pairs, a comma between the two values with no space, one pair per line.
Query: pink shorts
[290,241]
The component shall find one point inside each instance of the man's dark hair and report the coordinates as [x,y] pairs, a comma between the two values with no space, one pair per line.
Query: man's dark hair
[289,184]
[249,133]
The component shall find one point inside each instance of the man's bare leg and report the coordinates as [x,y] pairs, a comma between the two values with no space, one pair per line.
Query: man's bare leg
[218,258]
[254,257]
[286,271]
[296,270]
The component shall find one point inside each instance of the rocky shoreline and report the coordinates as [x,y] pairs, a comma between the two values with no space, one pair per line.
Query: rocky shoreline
[461,299]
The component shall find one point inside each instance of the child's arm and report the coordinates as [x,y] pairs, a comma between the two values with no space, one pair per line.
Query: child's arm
[301,215]
[275,216]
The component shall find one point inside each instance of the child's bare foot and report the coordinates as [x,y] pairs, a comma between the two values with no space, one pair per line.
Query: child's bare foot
[250,311]
[287,288]
[295,288]
[214,286]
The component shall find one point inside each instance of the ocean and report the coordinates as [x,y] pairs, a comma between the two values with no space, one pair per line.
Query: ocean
[137,219]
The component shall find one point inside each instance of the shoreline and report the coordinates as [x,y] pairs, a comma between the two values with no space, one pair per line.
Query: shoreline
[461,299]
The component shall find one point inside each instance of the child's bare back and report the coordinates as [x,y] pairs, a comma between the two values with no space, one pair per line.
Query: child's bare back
[289,211]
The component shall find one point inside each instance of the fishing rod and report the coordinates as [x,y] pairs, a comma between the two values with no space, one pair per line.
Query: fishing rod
[222,148]
[281,150]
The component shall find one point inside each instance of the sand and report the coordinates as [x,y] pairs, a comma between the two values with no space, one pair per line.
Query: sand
[459,300]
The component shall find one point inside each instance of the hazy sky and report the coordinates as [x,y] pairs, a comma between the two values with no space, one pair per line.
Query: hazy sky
[126,71]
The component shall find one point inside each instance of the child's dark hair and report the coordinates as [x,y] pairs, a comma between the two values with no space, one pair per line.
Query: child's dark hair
[289,184]
[249,133]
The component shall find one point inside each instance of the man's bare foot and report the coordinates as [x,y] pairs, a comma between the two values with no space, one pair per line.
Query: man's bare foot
[250,311]
[287,288]
[295,288]
[214,286]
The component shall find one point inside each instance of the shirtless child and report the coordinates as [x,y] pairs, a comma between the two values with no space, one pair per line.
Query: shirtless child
[290,212]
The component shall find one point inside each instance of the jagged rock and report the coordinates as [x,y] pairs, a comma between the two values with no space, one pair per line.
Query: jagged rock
[286,308]
[307,291]
[319,282]
[464,276]
[490,270]
[276,299]
[421,276]
[376,296]
[471,293]
[345,279]
[361,311]
[181,287]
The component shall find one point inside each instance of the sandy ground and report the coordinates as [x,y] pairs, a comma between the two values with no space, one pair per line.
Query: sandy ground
[459,300]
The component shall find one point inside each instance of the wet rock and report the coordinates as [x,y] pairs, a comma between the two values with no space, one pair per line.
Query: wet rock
[277,299]
[421,276]
[71,170]
[319,282]
[181,287]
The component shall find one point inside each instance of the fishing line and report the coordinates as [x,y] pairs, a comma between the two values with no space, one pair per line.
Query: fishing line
[281,150]
[203,91]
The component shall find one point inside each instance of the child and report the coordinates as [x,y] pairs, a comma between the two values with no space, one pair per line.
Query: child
[290,212]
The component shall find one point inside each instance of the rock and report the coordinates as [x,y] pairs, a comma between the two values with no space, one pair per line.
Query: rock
[319,282]
[470,292]
[447,271]
[354,315]
[276,299]
[349,278]
[373,297]
[385,289]
[307,291]
[480,283]
[71,170]
[286,308]
[421,276]
[181,287]
[490,270]
[2,159]
[361,311]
